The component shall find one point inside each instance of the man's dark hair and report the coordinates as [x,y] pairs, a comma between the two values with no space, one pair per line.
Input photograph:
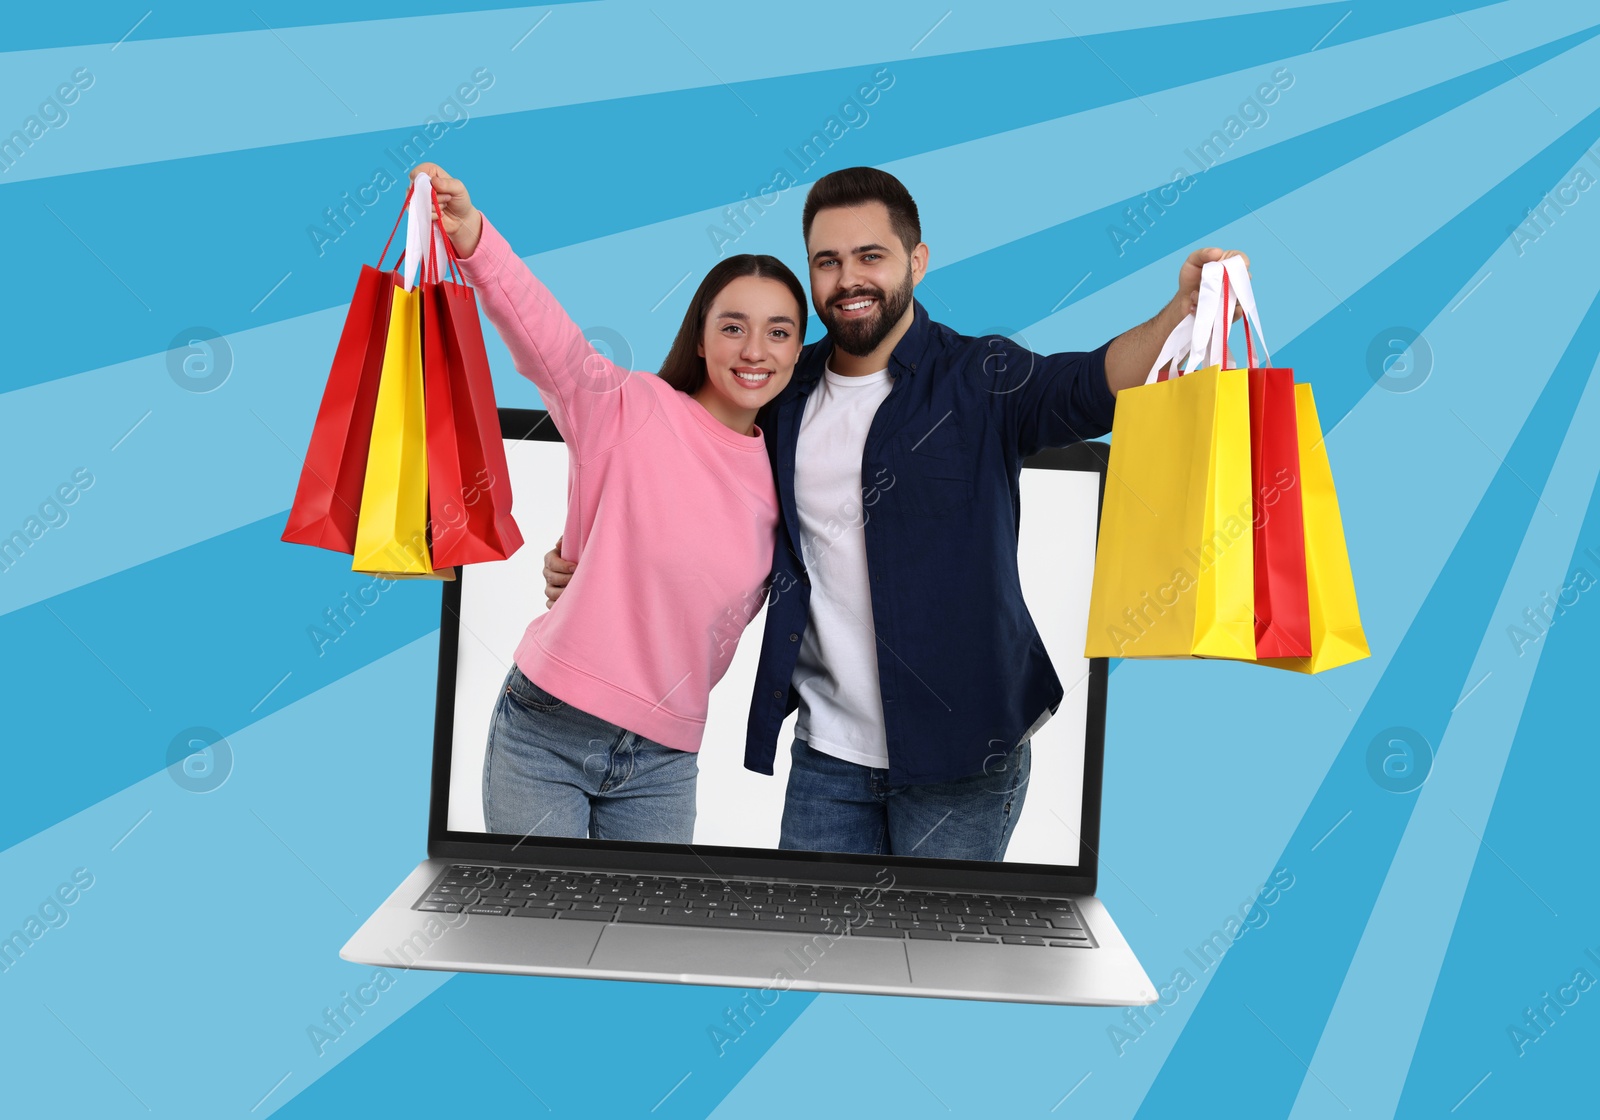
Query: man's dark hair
[855,185]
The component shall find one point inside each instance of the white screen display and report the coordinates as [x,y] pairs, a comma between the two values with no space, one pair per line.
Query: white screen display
[738,807]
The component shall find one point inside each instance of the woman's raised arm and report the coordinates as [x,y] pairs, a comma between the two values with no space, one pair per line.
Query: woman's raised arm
[589,397]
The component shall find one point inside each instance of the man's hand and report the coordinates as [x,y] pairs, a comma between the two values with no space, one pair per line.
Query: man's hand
[1132,353]
[1189,278]
[557,574]
[463,223]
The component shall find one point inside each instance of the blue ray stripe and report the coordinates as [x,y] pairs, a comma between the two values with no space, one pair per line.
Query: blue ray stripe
[33,28]
[1538,858]
[341,80]
[1319,924]
[196,638]
[316,819]
[984,288]
[1426,275]
[675,1065]
[147,280]
[1369,1040]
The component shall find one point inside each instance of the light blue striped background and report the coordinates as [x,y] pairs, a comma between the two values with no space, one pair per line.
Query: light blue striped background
[1377,197]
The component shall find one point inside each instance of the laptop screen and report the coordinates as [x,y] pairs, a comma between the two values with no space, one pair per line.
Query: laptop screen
[738,808]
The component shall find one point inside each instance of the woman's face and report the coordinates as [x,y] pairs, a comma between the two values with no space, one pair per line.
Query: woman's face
[751,342]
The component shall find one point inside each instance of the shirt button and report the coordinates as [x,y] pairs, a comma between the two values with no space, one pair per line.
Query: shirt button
[777,694]
[794,637]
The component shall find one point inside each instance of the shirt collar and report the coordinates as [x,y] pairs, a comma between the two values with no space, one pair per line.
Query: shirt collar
[907,355]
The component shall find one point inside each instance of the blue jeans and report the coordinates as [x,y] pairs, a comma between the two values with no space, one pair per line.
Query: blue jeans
[552,770]
[836,806]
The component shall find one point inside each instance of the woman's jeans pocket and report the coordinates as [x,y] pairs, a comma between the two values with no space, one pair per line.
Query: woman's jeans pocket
[551,769]
[528,694]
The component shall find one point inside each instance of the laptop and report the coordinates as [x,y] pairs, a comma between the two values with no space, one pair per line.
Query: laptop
[731,908]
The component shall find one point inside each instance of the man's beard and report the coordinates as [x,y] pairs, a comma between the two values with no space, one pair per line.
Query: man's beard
[860,337]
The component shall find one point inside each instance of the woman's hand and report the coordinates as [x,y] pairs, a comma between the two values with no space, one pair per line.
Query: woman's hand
[463,223]
[557,574]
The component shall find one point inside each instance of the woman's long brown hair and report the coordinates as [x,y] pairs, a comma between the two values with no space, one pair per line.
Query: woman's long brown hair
[684,369]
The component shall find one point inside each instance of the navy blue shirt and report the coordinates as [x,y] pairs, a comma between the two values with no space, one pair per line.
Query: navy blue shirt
[962,670]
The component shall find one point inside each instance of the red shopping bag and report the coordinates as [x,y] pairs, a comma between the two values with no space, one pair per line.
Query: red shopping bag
[328,498]
[469,491]
[1283,612]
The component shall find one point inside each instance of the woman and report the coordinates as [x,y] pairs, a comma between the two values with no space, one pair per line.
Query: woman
[670,503]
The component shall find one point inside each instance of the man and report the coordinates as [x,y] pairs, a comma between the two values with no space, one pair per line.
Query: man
[896,623]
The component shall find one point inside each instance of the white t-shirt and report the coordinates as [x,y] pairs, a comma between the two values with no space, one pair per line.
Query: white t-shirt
[836,673]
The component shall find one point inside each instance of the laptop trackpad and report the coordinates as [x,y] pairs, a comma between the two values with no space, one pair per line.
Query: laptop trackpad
[752,956]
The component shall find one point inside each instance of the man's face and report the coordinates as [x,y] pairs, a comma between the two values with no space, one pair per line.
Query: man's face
[861,274]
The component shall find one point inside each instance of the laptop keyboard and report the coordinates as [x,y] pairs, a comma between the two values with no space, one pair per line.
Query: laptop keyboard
[596,896]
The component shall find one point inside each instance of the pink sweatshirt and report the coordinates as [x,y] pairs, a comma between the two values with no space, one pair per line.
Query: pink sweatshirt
[671,515]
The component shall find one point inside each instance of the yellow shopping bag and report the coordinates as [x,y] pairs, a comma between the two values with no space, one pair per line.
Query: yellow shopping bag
[1336,634]
[392,527]
[1173,574]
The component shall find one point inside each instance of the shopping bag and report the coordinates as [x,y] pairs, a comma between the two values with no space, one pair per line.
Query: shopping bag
[392,528]
[1337,637]
[328,498]
[469,491]
[391,533]
[1283,626]
[1283,622]
[1173,570]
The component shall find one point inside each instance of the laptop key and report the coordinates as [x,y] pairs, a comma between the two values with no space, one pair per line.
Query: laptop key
[1023,940]
[440,907]
[667,918]
[525,912]
[785,921]
[928,934]
[1068,944]
[585,915]
[877,931]
[977,937]
[489,910]
[741,917]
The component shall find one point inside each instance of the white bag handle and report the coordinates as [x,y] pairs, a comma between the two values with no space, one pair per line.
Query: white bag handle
[1174,350]
[1207,305]
[420,227]
[1224,286]
[1239,290]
